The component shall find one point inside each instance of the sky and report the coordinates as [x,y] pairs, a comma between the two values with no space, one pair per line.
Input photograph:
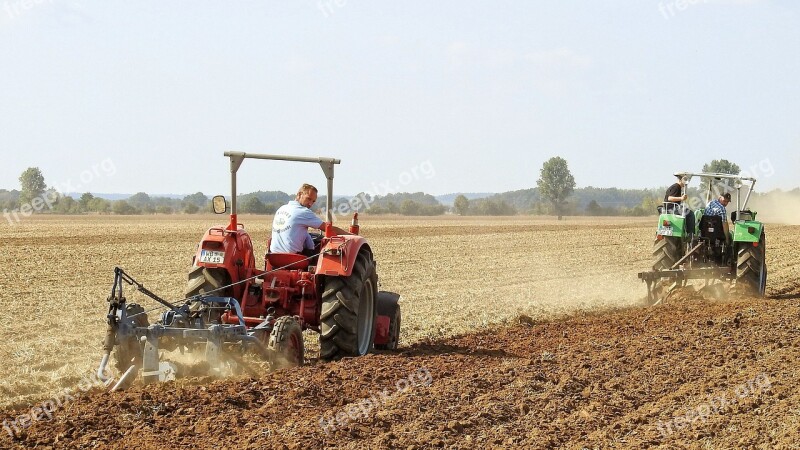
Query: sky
[439,97]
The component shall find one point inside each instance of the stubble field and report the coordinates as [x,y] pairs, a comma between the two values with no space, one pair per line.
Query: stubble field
[460,278]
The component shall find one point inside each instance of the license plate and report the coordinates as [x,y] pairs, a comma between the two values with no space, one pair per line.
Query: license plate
[665,231]
[212,256]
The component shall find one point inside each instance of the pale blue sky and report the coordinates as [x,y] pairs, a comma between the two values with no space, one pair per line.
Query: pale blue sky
[479,92]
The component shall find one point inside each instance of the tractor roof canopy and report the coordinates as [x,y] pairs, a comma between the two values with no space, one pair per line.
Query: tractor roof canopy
[716,176]
[739,182]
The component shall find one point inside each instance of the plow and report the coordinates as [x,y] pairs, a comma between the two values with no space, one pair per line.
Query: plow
[234,311]
[701,248]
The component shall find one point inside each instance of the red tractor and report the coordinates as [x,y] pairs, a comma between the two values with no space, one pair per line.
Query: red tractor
[234,302]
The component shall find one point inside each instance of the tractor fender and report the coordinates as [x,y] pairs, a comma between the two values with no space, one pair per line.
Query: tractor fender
[674,225]
[238,252]
[747,231]
[339,255]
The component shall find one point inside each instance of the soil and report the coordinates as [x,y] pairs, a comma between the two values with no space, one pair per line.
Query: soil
[499,348]
[691,373]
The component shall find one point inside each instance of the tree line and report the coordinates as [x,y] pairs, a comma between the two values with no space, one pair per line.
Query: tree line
[555,194]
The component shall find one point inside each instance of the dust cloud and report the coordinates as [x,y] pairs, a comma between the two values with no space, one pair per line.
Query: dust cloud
[777,207]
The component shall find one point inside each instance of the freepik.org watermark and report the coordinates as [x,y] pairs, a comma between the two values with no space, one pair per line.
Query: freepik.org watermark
[364,200]
[45,410]
[329,7]
[364,407]
[719,404]
[16,8]
[49,198]
[669,9]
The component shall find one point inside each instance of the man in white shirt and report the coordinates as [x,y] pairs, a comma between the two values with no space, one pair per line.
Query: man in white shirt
[292,221]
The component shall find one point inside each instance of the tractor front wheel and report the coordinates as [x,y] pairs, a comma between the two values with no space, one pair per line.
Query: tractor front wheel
[348,311]
[286,343]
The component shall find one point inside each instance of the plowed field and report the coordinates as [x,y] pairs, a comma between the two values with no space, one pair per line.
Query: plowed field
[517,333]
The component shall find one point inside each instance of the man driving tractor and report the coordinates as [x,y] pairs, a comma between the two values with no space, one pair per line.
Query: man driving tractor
[717,208]
[292,221]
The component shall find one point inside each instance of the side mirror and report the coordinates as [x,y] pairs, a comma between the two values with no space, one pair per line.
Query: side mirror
[219,204]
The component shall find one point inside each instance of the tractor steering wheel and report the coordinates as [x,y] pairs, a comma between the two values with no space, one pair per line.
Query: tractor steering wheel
[316,236]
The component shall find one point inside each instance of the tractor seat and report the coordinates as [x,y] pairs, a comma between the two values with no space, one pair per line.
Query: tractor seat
[294,261]
[711,227]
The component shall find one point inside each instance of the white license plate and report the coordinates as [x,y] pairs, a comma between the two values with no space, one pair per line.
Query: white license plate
[211,256]
[665,231]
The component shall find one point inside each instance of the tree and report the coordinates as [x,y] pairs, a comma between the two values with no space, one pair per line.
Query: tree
[461,205]
[99,205]
[594,208]
[123,208]
[490,207]
[33,186]
[409,208]
[650,206]
[139,200]
[556,183]
[254,206]
[85,199]
[191,208]
[270,208]
[198,198]
[66,205]
[719,166]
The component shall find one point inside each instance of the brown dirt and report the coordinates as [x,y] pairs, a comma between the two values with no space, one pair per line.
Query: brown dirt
[606,380]
[692,373]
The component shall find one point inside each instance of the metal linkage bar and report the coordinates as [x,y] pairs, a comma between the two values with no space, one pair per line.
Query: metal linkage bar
[685,274]
[687,255]
[120,274]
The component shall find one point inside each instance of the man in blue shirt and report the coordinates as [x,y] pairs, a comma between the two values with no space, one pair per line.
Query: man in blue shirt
[292,221]
[717,208]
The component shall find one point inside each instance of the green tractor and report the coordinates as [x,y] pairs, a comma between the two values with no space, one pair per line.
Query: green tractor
[698,247]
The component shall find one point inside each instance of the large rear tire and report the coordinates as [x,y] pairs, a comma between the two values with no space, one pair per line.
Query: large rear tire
[286,343]
[348,311]
[751,267]
[129,353]
[203,280]
[666,252]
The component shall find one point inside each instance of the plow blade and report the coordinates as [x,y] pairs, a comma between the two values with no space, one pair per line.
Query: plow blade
[661,282]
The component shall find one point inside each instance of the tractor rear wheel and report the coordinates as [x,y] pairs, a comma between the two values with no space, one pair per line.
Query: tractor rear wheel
[203,280]
[348,311]
[390,307]
[751,267]
[666,252]
[129,353]
[286,343]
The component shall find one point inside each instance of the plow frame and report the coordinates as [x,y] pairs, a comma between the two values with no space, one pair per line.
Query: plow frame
[678,274]
[679,277]
[177,324]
